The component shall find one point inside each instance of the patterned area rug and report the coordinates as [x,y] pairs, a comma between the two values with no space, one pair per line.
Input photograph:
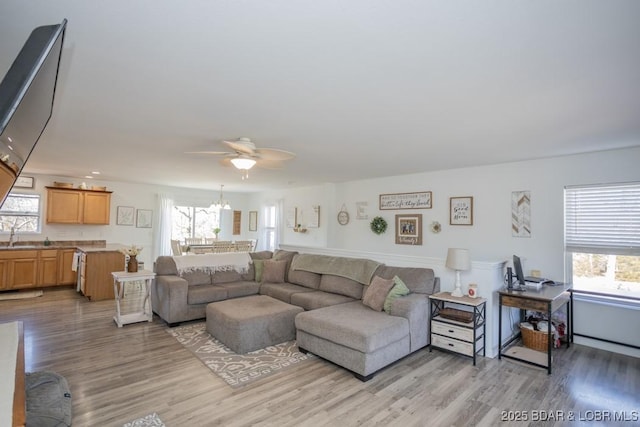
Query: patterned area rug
[151,420]
[237,370]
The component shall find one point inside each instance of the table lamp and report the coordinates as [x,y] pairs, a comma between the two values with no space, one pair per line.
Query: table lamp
[458,260]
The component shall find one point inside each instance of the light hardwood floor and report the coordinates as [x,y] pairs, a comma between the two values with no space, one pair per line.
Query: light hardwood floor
[119,374]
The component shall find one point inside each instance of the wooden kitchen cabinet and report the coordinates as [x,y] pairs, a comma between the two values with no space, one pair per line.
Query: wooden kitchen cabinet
[3,274]
[21,269]
[75,206]
[66,276]
[47,268]
[96,282]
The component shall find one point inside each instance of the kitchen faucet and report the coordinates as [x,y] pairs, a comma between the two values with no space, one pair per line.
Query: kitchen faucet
[11,236]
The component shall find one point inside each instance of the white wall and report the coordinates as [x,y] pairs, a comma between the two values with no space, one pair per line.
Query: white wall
[489,238]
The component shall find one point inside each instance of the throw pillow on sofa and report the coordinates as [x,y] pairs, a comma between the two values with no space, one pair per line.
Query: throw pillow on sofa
[377,293]
[258,266]
[273,271]
[399,289]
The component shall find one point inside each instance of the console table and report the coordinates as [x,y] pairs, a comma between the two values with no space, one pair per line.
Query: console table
[547,300]
[146,312]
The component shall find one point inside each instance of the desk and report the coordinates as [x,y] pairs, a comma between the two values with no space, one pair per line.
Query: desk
[121,278]
[547,300]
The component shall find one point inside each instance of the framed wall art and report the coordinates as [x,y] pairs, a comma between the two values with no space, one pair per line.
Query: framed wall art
[362,210]
[124,215]
[409,229]
[291,217]
[237,220]
[461,210]
[253,220]
[521,214]
[143,218]
[24,182]
[420,200]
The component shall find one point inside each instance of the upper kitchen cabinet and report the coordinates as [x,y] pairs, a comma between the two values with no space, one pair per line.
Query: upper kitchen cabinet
[75,206]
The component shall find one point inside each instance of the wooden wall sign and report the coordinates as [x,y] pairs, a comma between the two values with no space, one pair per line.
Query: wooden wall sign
[420,200]
[237,220]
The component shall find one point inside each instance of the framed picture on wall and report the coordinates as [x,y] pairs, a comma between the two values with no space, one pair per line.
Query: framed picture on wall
[409,229]
[125,215]
[237,220]
[461,210]
[143,218]
[253,220]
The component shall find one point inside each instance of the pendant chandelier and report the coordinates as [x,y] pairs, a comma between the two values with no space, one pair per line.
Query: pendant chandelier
[221,204]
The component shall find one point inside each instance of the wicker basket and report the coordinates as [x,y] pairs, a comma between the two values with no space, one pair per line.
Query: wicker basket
[62,184]
[536,340]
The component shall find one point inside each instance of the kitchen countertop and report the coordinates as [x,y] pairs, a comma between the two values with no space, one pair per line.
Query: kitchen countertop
[109,247]
[82,245]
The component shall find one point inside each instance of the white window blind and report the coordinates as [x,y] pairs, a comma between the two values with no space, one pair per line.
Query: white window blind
[603,219]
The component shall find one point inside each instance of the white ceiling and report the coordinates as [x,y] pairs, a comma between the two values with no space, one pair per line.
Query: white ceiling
[358,89]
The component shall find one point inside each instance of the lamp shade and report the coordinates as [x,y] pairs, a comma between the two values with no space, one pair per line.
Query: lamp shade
[458,259]
[243,163]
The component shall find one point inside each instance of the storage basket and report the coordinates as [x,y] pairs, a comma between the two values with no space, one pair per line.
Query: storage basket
[536,340]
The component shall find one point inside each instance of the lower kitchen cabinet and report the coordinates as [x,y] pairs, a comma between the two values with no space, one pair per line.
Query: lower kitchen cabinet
[47,268]
[33,268]
[96,281]
[66,275]
[20,269]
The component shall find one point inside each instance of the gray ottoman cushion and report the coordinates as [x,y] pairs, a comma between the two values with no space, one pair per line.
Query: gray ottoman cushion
[48,400]
[251,323]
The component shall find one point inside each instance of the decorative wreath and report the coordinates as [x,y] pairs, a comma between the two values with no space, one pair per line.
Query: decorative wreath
[378,225]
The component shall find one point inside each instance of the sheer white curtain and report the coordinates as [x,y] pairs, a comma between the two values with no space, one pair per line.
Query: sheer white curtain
[279,223]
[165,209]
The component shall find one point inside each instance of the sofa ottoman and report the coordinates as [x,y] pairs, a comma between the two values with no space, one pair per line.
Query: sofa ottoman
[251,323]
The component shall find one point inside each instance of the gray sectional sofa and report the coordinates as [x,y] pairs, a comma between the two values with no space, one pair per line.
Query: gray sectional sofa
[338,324]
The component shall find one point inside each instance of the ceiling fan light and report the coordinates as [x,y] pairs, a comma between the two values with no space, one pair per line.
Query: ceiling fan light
[243,163]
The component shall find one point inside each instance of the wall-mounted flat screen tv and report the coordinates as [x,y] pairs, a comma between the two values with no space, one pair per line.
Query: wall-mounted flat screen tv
[26,100]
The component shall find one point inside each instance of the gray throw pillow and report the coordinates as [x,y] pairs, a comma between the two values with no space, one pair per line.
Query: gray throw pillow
[377,293]
[273,271]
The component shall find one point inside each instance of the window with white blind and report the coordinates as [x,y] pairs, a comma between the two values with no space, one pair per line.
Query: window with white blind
[602,238]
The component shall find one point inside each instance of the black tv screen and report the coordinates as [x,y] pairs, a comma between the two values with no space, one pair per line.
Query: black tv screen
[26,100]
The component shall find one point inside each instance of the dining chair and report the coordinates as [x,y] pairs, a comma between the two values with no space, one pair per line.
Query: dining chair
[176,248]
[193,240]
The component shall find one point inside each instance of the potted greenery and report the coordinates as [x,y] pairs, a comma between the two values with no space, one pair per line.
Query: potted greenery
[216,231]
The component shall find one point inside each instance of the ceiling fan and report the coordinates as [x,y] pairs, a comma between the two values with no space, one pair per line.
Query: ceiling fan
[245,155]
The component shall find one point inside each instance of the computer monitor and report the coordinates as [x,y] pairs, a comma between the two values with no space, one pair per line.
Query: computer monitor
[517,265]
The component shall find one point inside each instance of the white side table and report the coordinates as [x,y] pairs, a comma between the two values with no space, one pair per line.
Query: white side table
[122,277]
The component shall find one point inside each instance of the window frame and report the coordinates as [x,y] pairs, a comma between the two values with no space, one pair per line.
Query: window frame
[37,215]
[193,221]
